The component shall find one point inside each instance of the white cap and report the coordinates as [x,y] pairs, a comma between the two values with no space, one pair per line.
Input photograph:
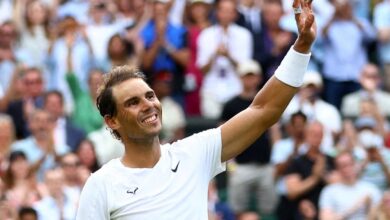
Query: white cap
[248,66]
[162,1]
[201,1]
[312,78]
[369,139]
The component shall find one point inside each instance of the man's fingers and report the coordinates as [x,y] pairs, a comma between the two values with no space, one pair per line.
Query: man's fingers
[296,6]
[308,22]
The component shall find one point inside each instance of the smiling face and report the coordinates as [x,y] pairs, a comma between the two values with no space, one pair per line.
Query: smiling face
[138,111]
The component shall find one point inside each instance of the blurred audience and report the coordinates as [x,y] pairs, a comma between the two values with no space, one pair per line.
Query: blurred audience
[54,53]
[307,175]
[87,155]
[19,182]
[31,100]
[106,146]
[57,202]
[375,167]
[65,132]
[71,43]
[381,21]
[308,100]
[346,39]
[40,148]
[173,118]
[273,42]
[252,167]
[165,47]
[33,20]
[382,211]
[199,18]
[218,59]
[349,199]
[7,137]
[85,113]
[27,213]
[370,81]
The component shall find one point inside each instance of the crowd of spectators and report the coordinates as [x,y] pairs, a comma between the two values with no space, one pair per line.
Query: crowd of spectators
[327,158]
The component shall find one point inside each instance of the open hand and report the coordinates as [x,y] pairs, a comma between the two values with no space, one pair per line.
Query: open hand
[306,24]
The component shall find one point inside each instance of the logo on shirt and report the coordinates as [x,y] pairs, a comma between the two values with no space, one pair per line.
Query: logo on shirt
[175,169]
[132,190]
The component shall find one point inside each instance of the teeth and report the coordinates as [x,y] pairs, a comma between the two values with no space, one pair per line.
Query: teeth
[150,119]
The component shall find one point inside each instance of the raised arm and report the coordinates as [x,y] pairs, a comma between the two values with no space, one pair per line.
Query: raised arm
[243,129]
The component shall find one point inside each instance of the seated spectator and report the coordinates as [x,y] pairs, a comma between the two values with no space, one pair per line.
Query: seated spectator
[376,165]
[349,199]
[306,176]
[27,213]
[106,147]
[370,81]
[32,99]
[40,149]
[173,118]
[65,132]
[57,203]
[87,156]
[70,164]
[7,136]
[20,186]
[218,59]
[308,101]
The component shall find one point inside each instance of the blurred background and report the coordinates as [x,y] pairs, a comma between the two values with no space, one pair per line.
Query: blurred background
[327,158]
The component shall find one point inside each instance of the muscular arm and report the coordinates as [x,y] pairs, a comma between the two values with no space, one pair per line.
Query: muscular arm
[243,129]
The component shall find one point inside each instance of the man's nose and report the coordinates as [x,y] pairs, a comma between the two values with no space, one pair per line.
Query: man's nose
[147,104]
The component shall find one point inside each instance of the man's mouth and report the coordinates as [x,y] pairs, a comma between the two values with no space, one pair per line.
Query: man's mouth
[151,119]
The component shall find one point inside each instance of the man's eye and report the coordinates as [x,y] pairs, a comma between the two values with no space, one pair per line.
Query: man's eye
[131,103]
[150,96]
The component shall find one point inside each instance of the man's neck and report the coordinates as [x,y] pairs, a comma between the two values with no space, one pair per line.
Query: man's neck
[349,181]
[141,154]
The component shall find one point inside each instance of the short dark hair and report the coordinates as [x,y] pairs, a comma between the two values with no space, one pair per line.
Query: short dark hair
[105,101]
[53,92]
[297,115]
[26,211]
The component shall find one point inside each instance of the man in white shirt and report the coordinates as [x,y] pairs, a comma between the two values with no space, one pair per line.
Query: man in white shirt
[350,198]
[153,181]
[220,48]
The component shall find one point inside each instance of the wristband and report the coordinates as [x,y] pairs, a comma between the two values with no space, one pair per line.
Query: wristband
[293,68]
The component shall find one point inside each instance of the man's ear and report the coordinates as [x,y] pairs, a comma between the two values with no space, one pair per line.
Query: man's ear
[111,122]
